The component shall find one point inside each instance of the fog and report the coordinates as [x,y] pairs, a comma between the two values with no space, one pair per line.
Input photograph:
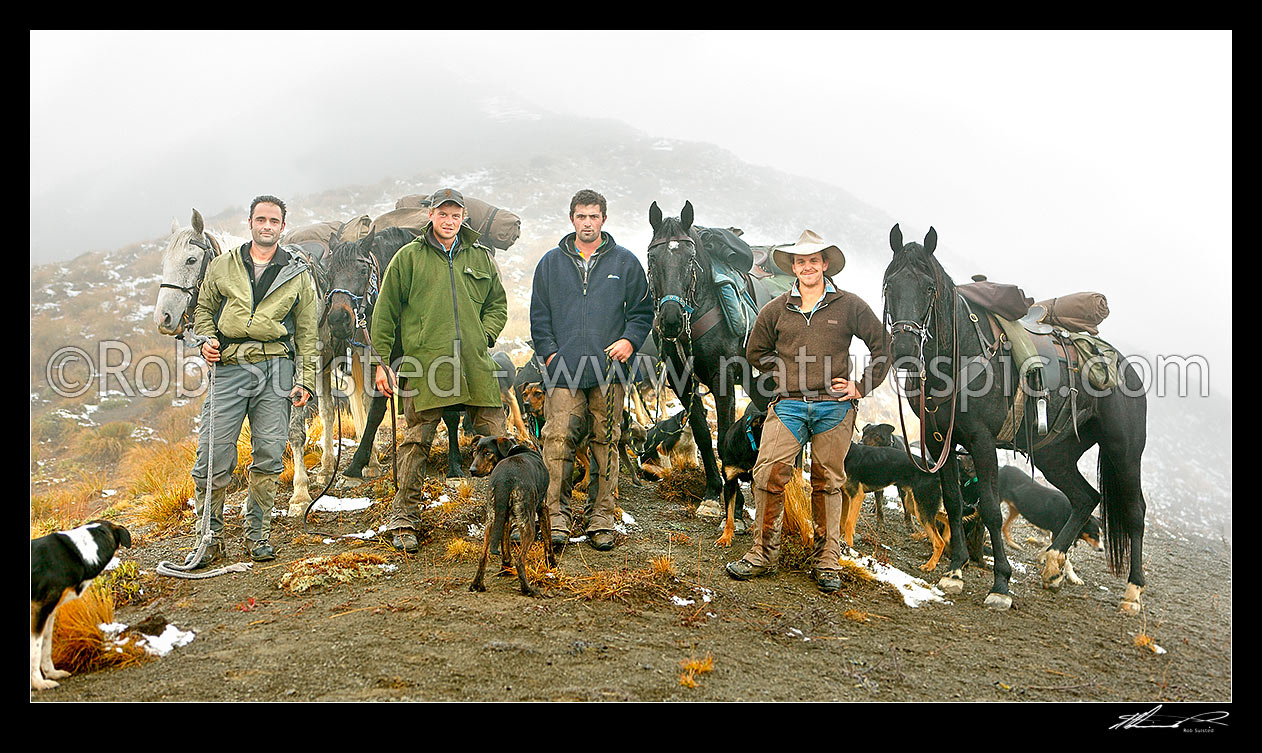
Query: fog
[1081,161]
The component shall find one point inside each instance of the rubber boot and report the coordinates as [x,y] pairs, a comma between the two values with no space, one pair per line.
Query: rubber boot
[214,550]
[259,502]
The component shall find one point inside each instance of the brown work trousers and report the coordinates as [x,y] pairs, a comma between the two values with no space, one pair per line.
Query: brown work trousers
[419,428]
[774,470]
[562,431]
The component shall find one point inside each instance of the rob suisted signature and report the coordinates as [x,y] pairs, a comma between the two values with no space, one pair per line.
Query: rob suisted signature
[1149,720]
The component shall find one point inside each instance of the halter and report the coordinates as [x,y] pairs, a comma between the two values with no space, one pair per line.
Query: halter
[361,305]
[210,250]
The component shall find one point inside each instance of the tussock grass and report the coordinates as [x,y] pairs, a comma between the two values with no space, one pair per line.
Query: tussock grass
[104,444]
[682,486]
[797,509]
[460,550]
[616,585]
[664,565]
[693,668]
[79,644]
[161,481]
[314,572]
[310,460]
[67,505]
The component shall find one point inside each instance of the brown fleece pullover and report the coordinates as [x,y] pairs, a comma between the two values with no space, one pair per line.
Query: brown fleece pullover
[808,351]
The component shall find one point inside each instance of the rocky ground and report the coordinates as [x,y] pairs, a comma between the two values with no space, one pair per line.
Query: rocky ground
[412,630]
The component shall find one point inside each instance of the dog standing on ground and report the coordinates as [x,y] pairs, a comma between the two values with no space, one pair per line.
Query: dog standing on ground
[882,435]
[1044,508]
[519,487]
[63,565]
[738,450]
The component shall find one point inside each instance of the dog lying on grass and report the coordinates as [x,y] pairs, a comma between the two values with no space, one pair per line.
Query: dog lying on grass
[519,487]
[63,564]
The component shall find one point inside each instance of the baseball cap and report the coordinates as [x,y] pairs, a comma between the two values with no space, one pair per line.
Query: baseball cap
[444,196]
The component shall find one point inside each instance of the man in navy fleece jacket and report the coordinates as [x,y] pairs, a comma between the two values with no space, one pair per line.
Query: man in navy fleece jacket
[589,312]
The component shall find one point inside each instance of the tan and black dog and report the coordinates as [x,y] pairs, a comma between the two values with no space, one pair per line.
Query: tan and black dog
[63,565]
[519,487]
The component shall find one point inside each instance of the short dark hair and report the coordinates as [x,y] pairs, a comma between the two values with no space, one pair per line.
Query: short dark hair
[588,196]
[267,199]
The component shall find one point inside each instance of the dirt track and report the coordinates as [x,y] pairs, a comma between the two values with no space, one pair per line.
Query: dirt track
[420,634]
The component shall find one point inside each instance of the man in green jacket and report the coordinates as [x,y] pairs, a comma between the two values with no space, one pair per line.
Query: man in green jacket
[441,297]
[258,306]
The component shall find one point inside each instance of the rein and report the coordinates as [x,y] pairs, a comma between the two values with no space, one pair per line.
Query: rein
[924,334]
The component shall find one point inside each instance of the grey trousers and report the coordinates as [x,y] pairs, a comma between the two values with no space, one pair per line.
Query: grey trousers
[260,391]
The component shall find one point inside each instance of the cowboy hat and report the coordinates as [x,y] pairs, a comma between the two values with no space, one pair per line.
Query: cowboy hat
[809,243]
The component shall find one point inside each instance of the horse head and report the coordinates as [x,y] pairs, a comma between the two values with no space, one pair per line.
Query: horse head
[915,287]
[184,260]
[672,269]
[353,278]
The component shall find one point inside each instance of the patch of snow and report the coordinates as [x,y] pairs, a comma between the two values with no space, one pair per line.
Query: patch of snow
[913,590]
[681,602]
[335,504]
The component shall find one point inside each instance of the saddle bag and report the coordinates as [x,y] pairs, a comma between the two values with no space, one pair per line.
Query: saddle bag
[1008,301]
[498,228]
[1100,359]
[739,309]
[1077,312]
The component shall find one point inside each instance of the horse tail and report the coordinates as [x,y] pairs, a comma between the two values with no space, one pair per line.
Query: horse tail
[1113,514]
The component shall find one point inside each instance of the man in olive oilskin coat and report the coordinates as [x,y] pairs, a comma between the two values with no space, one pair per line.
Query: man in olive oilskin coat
[443,296]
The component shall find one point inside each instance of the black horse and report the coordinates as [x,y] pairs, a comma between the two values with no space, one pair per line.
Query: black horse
[949,350]
[696,346]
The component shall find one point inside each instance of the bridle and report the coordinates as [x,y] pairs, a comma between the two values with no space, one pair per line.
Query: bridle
[923,331]
[361,305]
[210,249]
[688,303]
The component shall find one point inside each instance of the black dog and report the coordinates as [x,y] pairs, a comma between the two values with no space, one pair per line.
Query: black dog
[519,486]
[63,565]
[672,436]
[1043,506]
[738,451]
[882,435]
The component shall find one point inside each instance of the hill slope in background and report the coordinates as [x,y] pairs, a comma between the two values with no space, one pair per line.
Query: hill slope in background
[109,295]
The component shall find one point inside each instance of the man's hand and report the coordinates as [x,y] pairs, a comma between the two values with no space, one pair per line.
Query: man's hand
[299,396]
[845,389]
[385,380]
[620,350]
[210,350]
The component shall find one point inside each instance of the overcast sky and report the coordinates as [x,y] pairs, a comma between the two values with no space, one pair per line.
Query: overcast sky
[1095,161]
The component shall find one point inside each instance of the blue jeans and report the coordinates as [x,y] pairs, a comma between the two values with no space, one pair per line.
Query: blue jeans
[808,418]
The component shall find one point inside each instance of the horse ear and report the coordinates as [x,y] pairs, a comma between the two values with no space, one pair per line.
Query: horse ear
[686,216]
[896,238]
[332,239]
[366,242]
[199,225]
[175,225]
[931,240]
[655,216]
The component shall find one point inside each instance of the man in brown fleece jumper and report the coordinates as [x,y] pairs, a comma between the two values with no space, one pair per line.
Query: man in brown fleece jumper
[803,336]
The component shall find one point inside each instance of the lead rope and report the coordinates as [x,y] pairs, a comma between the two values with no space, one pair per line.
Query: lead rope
[337,463]
[171,569]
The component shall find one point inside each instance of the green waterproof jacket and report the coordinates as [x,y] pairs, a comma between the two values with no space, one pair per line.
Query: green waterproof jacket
[282,325]
[447,312]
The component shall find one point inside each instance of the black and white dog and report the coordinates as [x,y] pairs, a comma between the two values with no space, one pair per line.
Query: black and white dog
[63,565]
